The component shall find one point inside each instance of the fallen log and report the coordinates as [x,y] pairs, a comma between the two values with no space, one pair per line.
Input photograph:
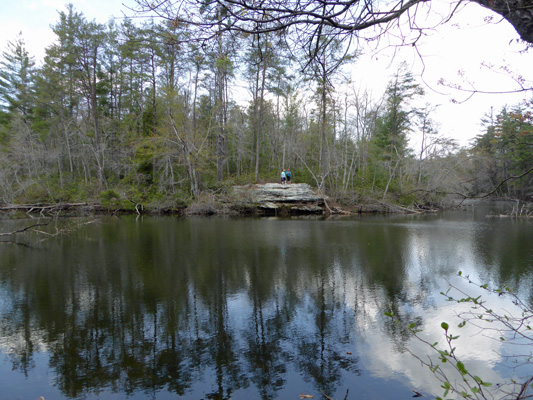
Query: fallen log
[25,229]
[41,208]
[397,208]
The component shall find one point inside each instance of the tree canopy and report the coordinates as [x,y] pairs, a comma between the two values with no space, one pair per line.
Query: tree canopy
[306,20]
[147,112]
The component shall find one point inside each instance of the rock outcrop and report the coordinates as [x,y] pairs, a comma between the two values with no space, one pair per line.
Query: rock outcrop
[297,198]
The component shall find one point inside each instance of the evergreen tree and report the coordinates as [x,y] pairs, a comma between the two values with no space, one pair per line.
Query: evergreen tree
[395,122]
[506,150]
[79,52]
[17,68]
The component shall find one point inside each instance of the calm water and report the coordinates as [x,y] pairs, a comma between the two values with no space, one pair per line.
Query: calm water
[215,308]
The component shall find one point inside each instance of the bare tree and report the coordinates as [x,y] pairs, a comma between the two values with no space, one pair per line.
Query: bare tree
[305,20]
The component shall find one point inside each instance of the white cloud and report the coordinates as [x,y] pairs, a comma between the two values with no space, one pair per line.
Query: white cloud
[479,352]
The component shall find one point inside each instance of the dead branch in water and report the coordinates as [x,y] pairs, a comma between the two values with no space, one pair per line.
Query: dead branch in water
[41,208]
[26,228]
[47,235]
[398,208]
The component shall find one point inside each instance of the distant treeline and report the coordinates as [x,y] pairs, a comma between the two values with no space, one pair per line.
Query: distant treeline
[139,111]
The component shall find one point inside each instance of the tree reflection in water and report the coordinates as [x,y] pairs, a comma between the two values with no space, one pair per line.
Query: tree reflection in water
[203,308]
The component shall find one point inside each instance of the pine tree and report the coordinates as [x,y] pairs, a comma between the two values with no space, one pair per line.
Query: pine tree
[17,68]
[395,122]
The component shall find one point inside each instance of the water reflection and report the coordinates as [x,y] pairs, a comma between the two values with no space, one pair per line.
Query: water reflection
[244,308]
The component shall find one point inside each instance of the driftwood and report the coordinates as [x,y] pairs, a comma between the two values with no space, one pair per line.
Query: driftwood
[25,229]
[42,208]
[397,208]
[32,228]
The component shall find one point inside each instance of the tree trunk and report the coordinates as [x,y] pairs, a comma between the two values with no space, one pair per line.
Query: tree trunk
[518,12]
[392,174]
[260,121]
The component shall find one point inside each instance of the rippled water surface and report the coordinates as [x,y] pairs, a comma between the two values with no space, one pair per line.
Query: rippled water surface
[220,308]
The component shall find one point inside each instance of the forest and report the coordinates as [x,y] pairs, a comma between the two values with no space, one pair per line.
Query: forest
[136,112]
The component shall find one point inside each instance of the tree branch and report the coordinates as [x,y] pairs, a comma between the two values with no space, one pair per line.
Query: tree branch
[26,228]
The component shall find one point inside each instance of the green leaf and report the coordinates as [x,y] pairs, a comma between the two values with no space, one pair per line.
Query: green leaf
[444,326]
[461,368]
[389,314]
[486,384]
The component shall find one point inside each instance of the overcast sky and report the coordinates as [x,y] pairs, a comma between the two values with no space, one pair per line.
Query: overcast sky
[464,44]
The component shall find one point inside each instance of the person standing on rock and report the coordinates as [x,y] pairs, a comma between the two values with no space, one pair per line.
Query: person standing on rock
[288,175]
[283,177]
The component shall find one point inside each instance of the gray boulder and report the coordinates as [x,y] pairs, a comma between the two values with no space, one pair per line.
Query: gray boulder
[274,196]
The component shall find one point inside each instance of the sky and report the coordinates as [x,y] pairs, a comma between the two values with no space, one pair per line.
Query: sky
[459,53]
[454,52]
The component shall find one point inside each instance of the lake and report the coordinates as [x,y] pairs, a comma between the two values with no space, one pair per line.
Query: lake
[252,308]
